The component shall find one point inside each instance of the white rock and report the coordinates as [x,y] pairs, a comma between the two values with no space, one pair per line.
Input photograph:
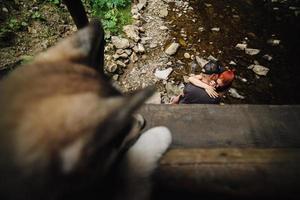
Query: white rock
[216,29]
[268,57]
[128,51]
[132,32]
[251,52]
[111,67]
[163,74]
[187,55]
[134,57]
[120,43]
[163,28]
[153,45]
[259,69]
[273,42]
[141,48]
[121,64]
[163,12]
[155,99]
[201,29]
[5,9]
[233,92]
[212,58]
[241,46]
[201,61]
[172,49]
[120,51]
[232,63]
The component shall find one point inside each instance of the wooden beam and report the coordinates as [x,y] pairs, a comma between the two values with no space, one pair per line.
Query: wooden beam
[232,173]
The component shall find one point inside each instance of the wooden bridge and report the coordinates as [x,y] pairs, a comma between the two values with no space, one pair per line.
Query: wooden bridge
[229,152]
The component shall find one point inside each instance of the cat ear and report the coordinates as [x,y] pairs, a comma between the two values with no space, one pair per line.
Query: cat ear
[84,47]
[117,121]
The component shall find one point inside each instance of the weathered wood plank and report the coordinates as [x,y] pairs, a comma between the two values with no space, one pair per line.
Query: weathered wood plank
[205,126]
[228,173]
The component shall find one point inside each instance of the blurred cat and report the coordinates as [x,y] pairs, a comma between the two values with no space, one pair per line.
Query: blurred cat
[65,132]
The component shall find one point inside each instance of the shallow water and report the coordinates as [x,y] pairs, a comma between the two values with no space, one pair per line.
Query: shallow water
[252,21]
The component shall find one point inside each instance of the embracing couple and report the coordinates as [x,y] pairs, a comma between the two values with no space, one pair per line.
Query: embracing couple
[206,88]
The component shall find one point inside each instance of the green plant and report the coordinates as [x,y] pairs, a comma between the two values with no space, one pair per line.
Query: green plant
[56,2]
[113,13]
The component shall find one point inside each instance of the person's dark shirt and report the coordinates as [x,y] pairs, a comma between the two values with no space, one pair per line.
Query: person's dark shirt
[197,95]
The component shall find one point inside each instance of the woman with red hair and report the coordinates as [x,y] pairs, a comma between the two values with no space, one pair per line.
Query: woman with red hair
[207,90]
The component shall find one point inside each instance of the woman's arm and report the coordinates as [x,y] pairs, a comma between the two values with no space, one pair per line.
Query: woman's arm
[209,89]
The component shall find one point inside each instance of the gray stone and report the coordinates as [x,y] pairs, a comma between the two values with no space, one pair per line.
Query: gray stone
[259,69]
[153,45]
[120,51]
[216,29]
[128,51]
[172,49]
[187,55]
[233,92]
[163,28]
[163,12]
[132,32]
[212,58]
[111,67]
[201,61]
[268,57]
[134,58]
[121,64]
[120,43]
[4,9]
[163,74]
[251,52]
[241,46]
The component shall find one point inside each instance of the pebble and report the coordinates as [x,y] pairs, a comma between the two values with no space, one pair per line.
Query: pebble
[241,46]
[251,52]
[268,57]
[187,55]
[259,69]
[172,49]
[216,29]
[163,74]
[233,92]
[273,42]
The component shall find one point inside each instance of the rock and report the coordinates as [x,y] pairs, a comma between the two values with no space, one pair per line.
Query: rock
[241,79]
[216,29]
[141,29]
[212,58]
[233,92]
[4,9]
[163,28]
[273,42]
[187,55]
[155,99]
[121,64]
[251,52]
[163,12]
[136,17]
[259,69]
[208,5]
[232,63]
[111,67]
[123,55]
[201,29]
[32,30]
[132,32]
[128,51]
[172,49]
[163,74]
[241,46]
[134,58]
[120,43]
[268,57]
[153,45]
[134,10]
[201,61]
[142,4]
[120,51]
[115,77]
[116,56]
[139,48]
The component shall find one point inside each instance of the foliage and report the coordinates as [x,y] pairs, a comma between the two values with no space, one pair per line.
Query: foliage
[56,2]
[114,13]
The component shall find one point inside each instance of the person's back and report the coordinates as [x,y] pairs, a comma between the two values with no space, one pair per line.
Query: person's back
[197,95]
